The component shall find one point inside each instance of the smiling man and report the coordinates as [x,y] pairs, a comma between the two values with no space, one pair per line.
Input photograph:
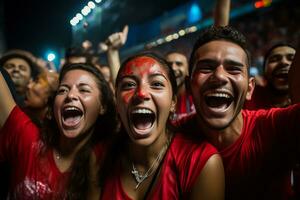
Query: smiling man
[258,148]
[179,63]
[277,63]
[21,68]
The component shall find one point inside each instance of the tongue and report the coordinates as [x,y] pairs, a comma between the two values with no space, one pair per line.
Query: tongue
[142,123]
[72,121]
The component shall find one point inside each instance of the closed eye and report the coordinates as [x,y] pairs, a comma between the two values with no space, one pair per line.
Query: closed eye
[62,90]
[234,69]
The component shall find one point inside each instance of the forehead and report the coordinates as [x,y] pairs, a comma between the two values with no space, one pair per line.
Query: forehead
[17,61]
[175,56]
[142,66]
[78,76]
[219,50]
[282,50]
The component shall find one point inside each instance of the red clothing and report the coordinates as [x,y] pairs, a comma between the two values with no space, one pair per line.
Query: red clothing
[34,174]
[258,163]
[264,98]
[184,106]
[182,164]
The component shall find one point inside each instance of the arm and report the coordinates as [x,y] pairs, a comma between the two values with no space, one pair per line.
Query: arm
[294,80]
[210,184]
[114,42]
[7,102]
[222,13]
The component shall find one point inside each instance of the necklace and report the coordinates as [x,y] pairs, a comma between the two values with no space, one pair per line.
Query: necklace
[138,176]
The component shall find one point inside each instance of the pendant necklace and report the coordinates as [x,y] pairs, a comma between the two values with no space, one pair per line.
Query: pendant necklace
[138,176]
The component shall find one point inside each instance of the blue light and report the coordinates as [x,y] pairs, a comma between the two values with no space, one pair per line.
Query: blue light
[194,13]
[51,57]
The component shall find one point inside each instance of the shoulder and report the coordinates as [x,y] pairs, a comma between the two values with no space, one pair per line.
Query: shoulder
[185,147]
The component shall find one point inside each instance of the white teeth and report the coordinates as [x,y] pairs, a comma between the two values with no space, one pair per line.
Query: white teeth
[142,111]
[71,108]
[223,95]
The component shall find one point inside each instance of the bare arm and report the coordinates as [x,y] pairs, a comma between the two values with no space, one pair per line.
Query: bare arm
[210,184]
[114,42]
[294,80]
[222,13]
[7,102]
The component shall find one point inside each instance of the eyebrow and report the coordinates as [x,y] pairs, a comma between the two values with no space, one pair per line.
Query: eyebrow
[80,84]
[158,74]
[151,75]
[214,62]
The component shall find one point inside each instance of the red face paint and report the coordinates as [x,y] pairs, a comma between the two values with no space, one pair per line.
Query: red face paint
[139,67]
[127,96]
[142,64]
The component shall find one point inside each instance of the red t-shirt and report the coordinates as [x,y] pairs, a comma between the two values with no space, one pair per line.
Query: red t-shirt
[184,106]
[181,166]
[263,97]
[257,165]
[34,174]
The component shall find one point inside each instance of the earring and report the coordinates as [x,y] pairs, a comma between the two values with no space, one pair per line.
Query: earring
[172,115]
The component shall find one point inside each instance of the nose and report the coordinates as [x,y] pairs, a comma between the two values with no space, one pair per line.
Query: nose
[142,92]
[286,61]
[16,68]
[174,66]
[219,75]
[72,95]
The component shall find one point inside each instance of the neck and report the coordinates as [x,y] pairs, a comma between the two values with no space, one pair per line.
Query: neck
[68,148]
[279,98]
[222,138]
[144,156]
[181,89]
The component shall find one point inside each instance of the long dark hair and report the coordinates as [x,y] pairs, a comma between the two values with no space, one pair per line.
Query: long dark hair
[120,141]
[105,126]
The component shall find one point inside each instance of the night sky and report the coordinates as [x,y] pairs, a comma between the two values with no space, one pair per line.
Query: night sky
[41,25]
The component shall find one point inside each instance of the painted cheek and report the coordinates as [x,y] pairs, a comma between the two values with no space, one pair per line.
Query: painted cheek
[127,96]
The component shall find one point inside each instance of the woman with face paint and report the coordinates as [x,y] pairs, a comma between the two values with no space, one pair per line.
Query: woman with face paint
[150,160]
[60,161]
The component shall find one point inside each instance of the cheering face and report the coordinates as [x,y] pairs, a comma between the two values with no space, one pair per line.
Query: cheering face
[219,82]
[144,99]
[37,93]
[77,104]
[19,71]
[179,65]
[277,67]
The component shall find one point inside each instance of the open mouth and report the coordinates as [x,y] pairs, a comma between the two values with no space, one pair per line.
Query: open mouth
[218,100]
[71,116]
[281,74]
[142,118]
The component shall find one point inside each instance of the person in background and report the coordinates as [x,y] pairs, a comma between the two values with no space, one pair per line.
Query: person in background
[37,95]
[275,93]
[179,63]
[21,67]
